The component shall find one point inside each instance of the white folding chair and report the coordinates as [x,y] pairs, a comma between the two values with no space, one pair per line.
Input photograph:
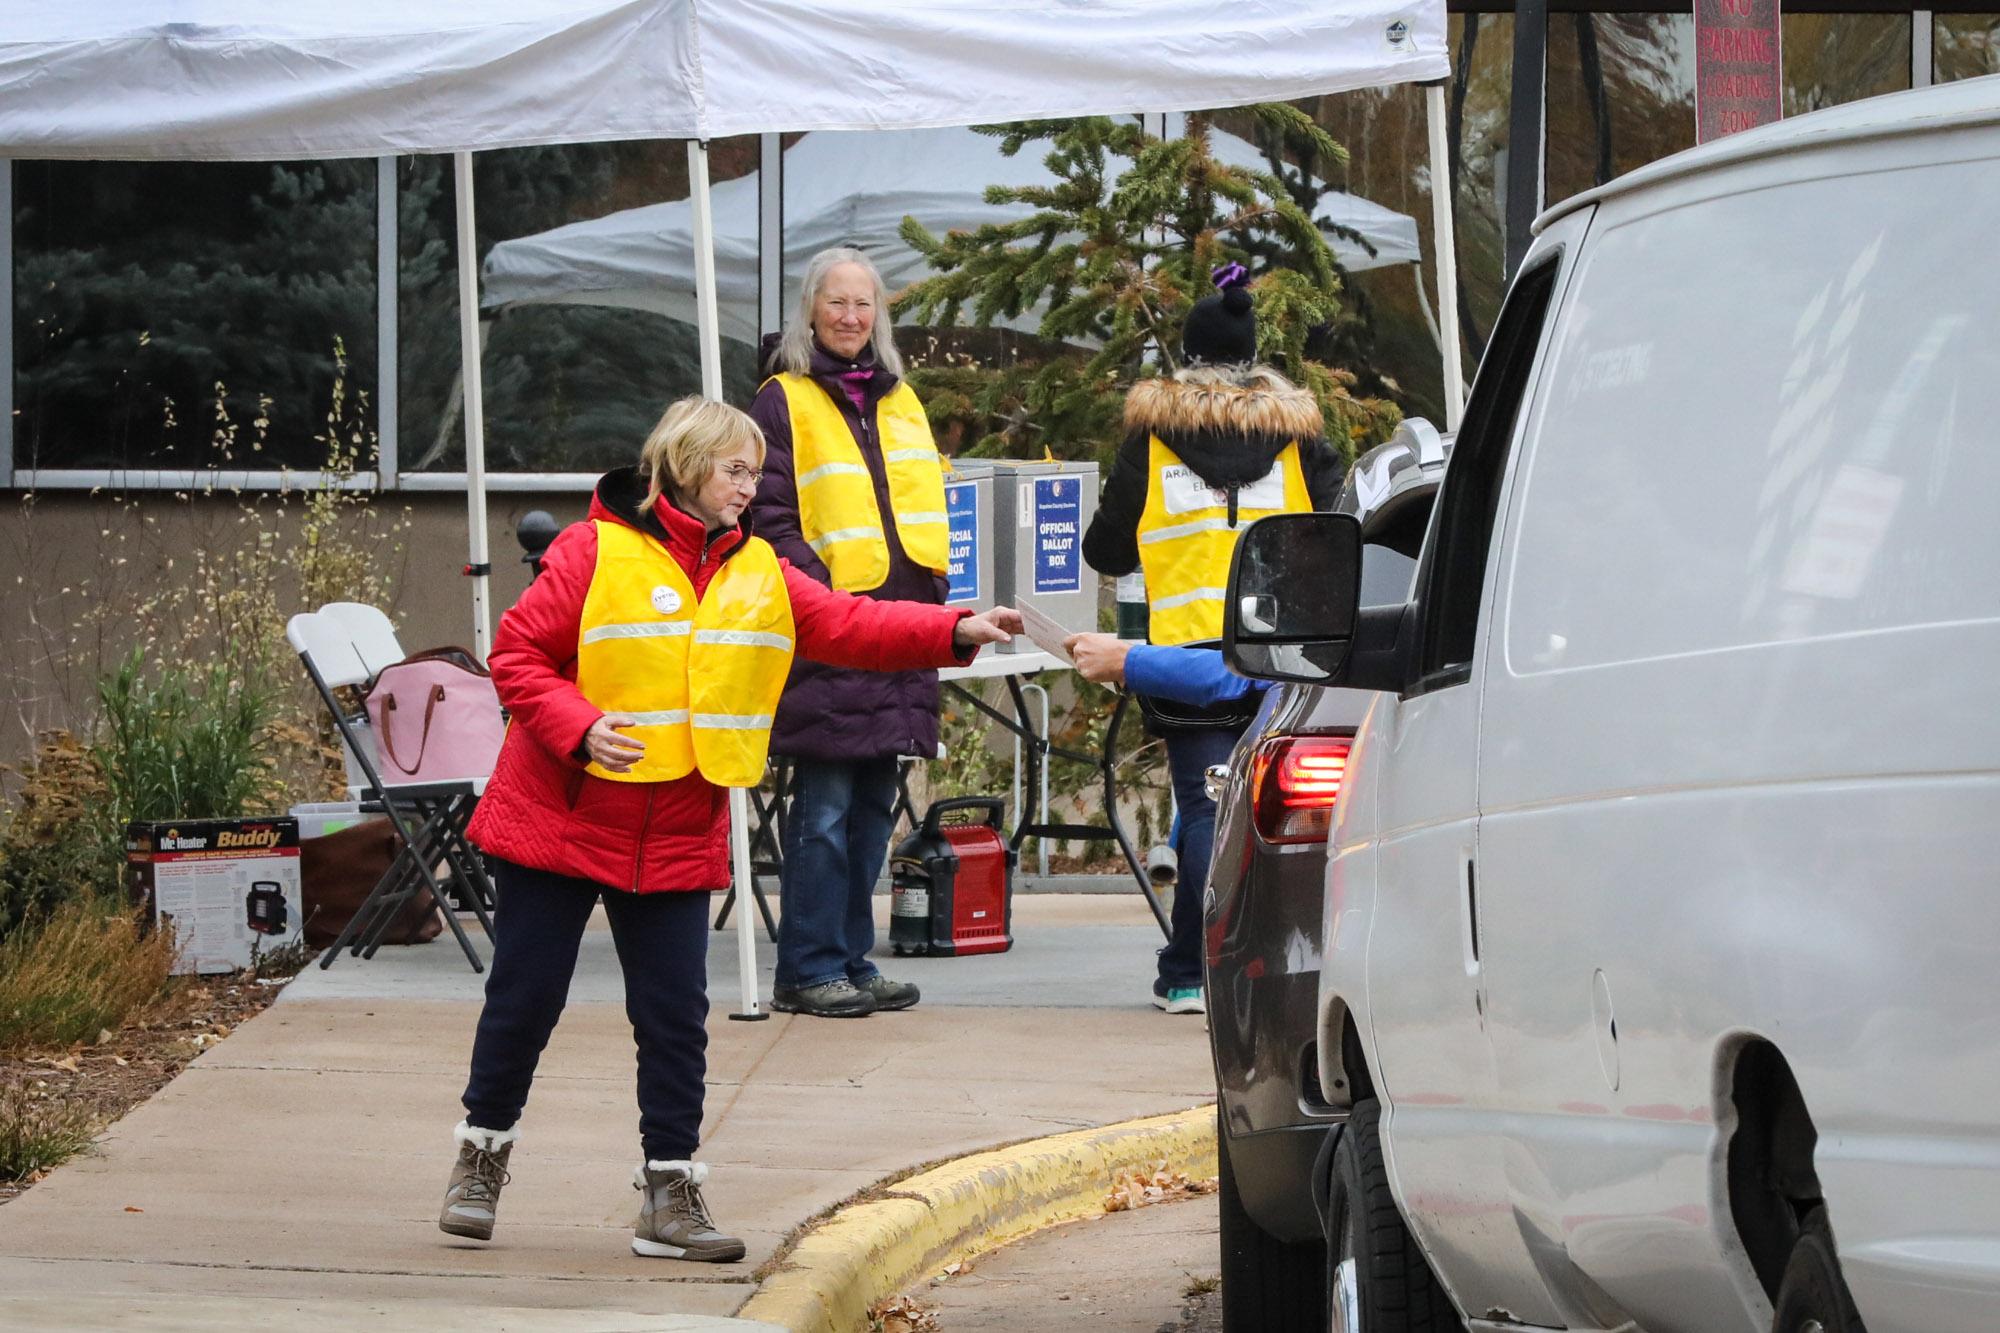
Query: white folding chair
[372,632]
[431,817]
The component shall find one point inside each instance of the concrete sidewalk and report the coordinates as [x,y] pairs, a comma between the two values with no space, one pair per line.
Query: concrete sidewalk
[291,1177]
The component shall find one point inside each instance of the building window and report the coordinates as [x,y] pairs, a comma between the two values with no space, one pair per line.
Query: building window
[145,294]
[1836,58]
[1620,95]
[1966,46]
[587,282]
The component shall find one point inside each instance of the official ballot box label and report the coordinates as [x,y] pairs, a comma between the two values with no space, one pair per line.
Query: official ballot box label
[961,504]
[1058,519]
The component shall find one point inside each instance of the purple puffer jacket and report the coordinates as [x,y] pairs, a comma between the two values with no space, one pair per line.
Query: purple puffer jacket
[831,712]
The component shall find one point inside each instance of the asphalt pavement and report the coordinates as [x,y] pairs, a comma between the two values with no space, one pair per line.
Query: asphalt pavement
[1151,1270]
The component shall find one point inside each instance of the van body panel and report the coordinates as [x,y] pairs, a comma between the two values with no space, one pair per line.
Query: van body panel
[1400,877]
[1739,762]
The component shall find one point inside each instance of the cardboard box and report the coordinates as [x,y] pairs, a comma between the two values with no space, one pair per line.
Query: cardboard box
[228,886]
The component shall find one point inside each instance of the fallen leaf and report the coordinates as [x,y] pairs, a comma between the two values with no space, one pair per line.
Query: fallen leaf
[67,1062]
[103,1035]
[1136,1189]
[120,1061]
[130,1209]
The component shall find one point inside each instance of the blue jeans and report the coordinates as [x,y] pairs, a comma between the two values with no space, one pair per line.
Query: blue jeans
[836,839]
[662,942]
[1189,753]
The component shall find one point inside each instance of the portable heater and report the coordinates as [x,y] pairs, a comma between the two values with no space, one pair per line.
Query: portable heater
[264,907]
[952,885]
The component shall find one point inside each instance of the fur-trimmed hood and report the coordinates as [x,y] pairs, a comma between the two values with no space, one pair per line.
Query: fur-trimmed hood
[1229,427]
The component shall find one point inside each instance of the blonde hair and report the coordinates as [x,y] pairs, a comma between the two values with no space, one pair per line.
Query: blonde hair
[795,346]
[692,434]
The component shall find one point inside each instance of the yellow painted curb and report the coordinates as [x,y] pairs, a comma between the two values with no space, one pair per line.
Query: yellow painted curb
[964,1208]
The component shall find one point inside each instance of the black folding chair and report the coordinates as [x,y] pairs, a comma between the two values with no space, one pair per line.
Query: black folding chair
[430,817]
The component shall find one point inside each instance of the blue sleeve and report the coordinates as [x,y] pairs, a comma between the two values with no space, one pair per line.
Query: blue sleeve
[1186,675]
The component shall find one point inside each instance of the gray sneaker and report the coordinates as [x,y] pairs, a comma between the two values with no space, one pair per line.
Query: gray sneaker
[474,1192]
[829,999]
[888,994]
[673,1219]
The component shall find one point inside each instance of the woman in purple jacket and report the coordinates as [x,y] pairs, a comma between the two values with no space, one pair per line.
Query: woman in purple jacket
[852,495]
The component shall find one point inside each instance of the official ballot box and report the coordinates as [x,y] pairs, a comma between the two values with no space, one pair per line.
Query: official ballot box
[968,504]
[1040,511]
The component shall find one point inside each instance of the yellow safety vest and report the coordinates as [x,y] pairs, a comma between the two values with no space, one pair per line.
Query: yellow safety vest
[1186,539]
[837,510]
[702,676]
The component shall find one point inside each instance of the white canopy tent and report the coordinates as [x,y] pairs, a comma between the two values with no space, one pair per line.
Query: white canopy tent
[244,80]
[841,189]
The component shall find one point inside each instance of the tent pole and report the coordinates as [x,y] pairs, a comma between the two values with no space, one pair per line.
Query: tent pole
[704,270]
[1447,260]
[711,387]
[477,566]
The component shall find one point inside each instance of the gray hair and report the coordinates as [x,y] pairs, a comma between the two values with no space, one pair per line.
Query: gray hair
[795,346]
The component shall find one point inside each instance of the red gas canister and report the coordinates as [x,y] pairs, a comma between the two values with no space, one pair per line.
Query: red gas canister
[952,884]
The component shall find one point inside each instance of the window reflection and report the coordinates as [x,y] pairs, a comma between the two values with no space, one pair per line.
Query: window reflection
[1965,46]
[139,287]
[579,361]
[1836,58]
[1620,95]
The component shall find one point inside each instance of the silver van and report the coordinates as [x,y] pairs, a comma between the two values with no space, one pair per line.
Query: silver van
[1662,967]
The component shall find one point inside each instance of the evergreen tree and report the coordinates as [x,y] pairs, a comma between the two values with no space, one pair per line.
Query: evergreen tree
[1119,248]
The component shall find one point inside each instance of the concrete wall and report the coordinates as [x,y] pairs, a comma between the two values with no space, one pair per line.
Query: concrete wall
[81,576]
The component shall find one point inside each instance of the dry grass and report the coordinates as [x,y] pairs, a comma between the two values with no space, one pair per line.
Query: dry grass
[81,970]
[39,1130]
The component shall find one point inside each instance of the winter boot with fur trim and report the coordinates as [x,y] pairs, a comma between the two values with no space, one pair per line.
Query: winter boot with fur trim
[673,1220]
[474,1192]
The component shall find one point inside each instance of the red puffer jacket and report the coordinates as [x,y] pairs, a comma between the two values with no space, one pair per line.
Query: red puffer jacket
[542,809]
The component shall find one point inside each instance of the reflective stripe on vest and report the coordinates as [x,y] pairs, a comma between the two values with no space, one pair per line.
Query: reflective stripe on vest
[837,511]
[701,678]
[1186,539]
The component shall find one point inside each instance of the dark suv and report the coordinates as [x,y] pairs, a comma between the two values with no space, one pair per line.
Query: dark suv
[1274,807]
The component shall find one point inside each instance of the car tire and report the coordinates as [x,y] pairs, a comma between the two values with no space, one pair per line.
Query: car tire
[1378,1279]
[1813,1297]
[1268,1285]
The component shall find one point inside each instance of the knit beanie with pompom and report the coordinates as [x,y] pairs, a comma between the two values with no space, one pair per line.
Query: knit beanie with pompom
[1221,330]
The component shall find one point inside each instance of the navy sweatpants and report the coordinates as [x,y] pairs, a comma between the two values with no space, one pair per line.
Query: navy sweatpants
[662,942]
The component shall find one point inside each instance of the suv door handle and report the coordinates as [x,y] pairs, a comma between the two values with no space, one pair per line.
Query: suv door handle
[1215,781]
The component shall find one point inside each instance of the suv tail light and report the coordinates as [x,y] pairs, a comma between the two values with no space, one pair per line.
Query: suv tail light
[1297,780]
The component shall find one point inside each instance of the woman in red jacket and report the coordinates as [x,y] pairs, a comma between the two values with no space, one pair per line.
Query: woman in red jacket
[641,670]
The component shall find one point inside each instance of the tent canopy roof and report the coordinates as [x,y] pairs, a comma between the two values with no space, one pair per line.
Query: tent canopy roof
[234,80]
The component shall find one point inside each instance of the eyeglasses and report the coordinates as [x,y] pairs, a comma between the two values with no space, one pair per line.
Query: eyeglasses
[739,475]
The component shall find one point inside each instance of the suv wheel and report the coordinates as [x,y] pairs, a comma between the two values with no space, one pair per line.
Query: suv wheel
[1813,1297]
[1268,1285]
[1377,1277]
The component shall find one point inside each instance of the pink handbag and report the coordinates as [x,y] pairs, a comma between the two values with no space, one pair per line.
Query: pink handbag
[436,717]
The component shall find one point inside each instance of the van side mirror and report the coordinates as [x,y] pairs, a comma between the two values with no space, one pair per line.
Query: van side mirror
[1294,586]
